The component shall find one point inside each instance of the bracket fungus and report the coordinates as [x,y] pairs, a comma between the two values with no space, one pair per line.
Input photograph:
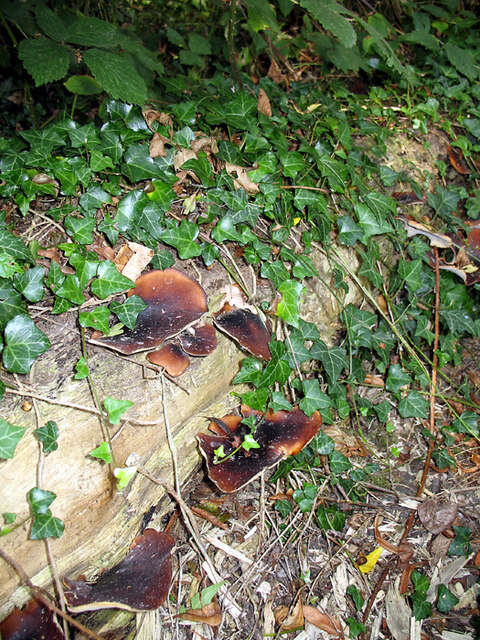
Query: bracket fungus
[170,357]
[278,435]
[34,622]
[246,328]
[139,582]
[174,302]
[199,341]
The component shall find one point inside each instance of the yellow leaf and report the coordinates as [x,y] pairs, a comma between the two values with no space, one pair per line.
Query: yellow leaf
[372,559]
[313,107]
[296,221]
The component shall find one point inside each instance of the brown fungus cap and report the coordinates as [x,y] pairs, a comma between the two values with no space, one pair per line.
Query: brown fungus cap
[246,328]
[199,341]
[174,301]
[279,435]
[34,622]
[139,582]
[172,358]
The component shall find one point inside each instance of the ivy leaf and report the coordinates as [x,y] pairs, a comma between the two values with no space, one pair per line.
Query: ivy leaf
[371,223]
[413,406]
[48,435]
[275,271]
[250,372]
[256,400]
[55,276]
[331,518]
[360,324]
[287,308]
[85,267]
[124,475]
[334,360]
[45,525]
[116,408]
[13,246]
[335,172]
[128,311]
[30,284]
[279,402]
[109,281]
[10,436]
[446,599]
[102,452]
[40,499]
[356,596]
[458,320]
[72,290]
[140,166]
[277,369]
[96,319]
[183,239]
[314,398]
[129,208]
[23,343]
[81,368]
[349,231]
[397,378]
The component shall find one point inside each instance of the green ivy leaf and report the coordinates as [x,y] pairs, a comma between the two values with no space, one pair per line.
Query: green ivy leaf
[334,359]
[40,499]
[371,223]
[249,442]
[446,600]
[116,408]
[13,246]
[102,452]
[305,497]
[55,276]
[356,596]
[397,378]
[45,525]
[276,271]
[256,400]
[279,402]
[23,343]
[72,290]
[10,436]
[314,398]
[128,311]
[81,368]
[250,372]
[287,308]
[277,369]
[339,463]
[83,86]
[349,231]
[183,239]
[48,435]
[331,518]
[30,283]
[96,319]
[124,475]
[109,281]
[413,405]
[85,267]
[460,545]
[81,229]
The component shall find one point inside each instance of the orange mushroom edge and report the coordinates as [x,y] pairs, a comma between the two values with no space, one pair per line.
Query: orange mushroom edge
[279,435]
[174,302]
[172,358]
[140,582]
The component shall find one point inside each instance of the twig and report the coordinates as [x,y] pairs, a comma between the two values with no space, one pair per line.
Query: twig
[37,593]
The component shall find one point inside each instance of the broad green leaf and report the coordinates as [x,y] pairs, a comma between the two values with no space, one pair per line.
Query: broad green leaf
[117,74]
[128,311]
[257,399]
[314,399]
[13,246]
[92,32]
[40,499]
[224,230]
[371,223]
[446,599]
[129,208]
[334,359]
[124,475]
[45,60]
[50,23]
[83,85]
[10,436]
[322,443]
[95,196]
[443,201]
[71,289]
[360,325]
[276,271]
[349,231]
[45,525]
[81,229]
[250,372]
[458,321]
[287,308]
[12,305]
[335,172]
[23,343]
[86,266]
[161,193]
[116,408]
[96,319]
[55,276]
[292,162]
[297,352]
[462,59]
[397,378]
[140,166]
[48,435]
[109,281]
[183,239]
[329,14]
[261,16]
[413,405]
[279,402]
[102,452]
[81,369]
[460,545]
[331,518]
[277,369]
[202,169]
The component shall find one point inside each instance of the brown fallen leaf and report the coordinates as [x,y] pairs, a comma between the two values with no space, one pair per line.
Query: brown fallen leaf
[152,115]
[263,103]
[346,443]
[210,614]
[455,155]
[322,621]
[242,180]
[292,621]
[138,260]
[414,228]
[436,516]
[157,146]
[403,550]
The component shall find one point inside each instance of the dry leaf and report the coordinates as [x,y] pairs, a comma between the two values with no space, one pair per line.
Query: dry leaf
[436,239]
[263,103]
[436,516]
[123,256]
[322,621]
[345,443]
[141,256]
[398,613]
[209,614]
[292,621]
[182,156]
[102,250]
[242,180]
[457,161]
[275,74]
[157,146]
[207,144]
[152,115]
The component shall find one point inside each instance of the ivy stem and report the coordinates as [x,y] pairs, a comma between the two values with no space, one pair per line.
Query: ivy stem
[104,423]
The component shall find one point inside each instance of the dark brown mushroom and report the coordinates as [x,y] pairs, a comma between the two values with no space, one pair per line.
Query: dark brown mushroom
[34,622]
[199,341]
[246,328]
[171,357]
[174,300]
[139,582]
[279,435]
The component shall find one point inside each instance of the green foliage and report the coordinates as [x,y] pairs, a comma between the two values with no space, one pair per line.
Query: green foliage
[44,524]
[48,435]
[10,436]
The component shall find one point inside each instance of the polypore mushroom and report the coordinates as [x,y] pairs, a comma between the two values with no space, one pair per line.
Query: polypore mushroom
[139,582]
[279,435]
[33,622]
[246,328]
[199,341]
[171,357]
[174,300]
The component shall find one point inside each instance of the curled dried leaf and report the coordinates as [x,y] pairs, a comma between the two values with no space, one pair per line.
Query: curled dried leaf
[437,516]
